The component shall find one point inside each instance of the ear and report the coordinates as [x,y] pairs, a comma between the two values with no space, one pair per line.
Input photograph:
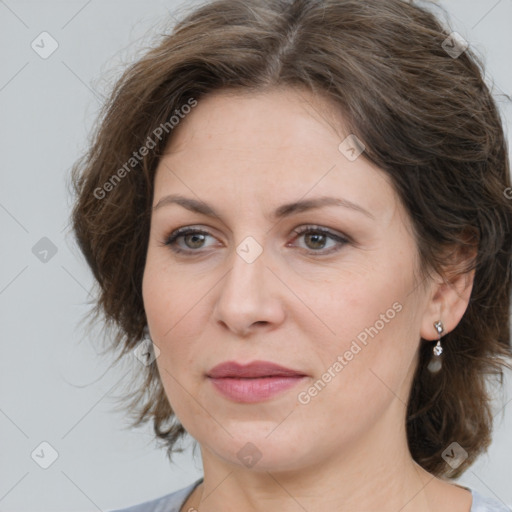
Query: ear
[449,299]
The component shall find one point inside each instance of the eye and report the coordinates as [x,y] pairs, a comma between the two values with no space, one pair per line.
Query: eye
[192,237]
[316,239]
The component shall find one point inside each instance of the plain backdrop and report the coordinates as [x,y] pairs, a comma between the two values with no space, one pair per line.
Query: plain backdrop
[54,386]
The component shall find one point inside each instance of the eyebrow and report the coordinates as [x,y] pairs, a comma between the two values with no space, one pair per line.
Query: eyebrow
[282,211]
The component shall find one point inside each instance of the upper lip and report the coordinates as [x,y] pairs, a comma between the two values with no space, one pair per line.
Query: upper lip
[251,370]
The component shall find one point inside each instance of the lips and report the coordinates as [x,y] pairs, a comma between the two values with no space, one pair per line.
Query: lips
[254,382]
[254,370]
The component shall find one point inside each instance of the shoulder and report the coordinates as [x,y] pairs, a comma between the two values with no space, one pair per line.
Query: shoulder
[483,503]
[169,503]
[173,501]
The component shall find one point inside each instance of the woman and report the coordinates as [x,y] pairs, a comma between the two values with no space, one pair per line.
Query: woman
[296,214]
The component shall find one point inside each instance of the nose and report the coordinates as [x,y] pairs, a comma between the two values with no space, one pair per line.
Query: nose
[249,297]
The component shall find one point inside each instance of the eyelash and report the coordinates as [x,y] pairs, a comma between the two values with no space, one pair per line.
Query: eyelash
[181,232]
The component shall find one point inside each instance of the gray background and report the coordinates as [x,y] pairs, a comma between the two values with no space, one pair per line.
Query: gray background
[54,384]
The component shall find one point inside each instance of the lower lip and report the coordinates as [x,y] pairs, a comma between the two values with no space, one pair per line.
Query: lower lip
[254,390]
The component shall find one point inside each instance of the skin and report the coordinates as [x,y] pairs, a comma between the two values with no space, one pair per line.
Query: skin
[346,450]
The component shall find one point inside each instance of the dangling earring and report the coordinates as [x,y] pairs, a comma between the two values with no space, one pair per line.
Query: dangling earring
[436,362]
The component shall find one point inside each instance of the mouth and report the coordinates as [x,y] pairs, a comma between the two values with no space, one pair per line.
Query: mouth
[255,382]
[253,370]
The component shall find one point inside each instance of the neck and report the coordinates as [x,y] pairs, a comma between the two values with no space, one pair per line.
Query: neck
[377,472]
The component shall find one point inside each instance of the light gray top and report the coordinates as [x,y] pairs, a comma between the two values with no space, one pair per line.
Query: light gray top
[174,501]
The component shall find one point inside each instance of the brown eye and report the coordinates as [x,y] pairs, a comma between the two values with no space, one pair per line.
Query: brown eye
[194,241]
[316,239]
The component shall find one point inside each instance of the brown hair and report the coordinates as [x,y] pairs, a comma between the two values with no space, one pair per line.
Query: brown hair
[427,119]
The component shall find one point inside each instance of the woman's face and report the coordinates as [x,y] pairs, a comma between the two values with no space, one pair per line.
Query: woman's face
[330,292]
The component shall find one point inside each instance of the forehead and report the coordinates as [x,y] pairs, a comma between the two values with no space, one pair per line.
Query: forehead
[240,117]
[281,143]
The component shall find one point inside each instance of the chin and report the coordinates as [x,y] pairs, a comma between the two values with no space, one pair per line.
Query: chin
[255,450]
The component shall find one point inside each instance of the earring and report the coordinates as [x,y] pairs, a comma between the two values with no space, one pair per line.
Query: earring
[436,362]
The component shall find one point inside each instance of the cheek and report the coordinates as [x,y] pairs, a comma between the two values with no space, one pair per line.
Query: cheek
[169,297]
[370,342]
[176,307]
[349,307]
[170,313]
